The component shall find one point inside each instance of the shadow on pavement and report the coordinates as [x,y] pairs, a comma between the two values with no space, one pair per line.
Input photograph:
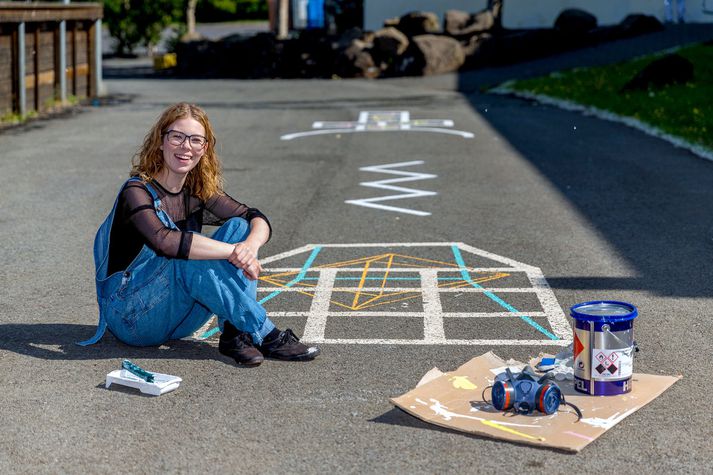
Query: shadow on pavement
[56,341]
[397,417]
[650,201]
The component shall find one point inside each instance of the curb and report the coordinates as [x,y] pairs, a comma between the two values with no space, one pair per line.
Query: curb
[698,150]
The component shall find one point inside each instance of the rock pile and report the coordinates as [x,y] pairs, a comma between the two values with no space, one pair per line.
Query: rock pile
[414,44]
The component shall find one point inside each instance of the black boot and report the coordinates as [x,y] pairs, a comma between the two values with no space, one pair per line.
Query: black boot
[286,346]
[239,346]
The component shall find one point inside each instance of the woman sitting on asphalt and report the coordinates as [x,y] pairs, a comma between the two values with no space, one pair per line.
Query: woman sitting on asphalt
[157,277]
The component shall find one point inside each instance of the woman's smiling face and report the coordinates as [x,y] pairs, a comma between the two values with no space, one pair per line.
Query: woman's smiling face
[181,159]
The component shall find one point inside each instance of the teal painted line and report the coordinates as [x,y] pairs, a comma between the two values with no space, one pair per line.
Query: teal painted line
[495,298]
[300,276]
[209,333]
[381,278]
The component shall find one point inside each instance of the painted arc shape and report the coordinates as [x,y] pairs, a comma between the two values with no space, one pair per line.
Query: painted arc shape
[310,133]
[381,121]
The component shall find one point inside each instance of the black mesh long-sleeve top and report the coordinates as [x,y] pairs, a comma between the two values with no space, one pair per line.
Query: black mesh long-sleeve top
[135,222]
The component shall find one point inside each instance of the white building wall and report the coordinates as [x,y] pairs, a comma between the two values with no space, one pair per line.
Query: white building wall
[533,13]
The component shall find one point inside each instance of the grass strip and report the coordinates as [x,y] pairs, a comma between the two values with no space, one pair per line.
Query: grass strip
[683,110]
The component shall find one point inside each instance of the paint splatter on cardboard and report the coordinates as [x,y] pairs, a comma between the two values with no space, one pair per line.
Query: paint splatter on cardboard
[446,400]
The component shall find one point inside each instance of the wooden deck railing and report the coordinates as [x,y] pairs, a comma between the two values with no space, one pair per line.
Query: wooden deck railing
[49,52]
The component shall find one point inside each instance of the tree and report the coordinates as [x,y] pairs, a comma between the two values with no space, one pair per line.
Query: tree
[191,19]
[134,22]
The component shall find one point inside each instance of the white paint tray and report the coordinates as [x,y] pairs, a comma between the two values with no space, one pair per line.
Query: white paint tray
[163,383]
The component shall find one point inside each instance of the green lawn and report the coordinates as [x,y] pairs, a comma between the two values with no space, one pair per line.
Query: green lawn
[682,110]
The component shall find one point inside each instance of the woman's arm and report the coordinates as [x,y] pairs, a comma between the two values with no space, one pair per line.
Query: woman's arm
[222,207]
[180,244]
[245,255]
[242,255]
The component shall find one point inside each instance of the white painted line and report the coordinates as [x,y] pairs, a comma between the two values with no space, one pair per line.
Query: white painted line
[495,257]
[406,193]
[370,204]
[317,320]
[429,304]
[206,326]
[379,313]
[433,330]
[285,255]
[397,269]
[445,342]
[380,121]
[310,133]
[555,315]
[361,122]
[447,290]
[389,244]
[460,133]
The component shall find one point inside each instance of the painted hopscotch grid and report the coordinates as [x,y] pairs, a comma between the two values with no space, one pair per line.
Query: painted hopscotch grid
[385,275]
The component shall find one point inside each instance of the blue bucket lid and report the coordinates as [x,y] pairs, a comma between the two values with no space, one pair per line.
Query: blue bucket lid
[604,311]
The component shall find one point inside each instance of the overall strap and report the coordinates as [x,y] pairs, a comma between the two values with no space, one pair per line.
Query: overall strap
[163,216]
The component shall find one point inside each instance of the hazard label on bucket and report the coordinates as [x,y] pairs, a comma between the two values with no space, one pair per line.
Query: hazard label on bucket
[611,364]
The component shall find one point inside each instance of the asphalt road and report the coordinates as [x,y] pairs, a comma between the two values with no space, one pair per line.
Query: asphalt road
[603,210]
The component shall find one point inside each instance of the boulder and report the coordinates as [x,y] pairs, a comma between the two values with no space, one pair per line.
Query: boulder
[389,42]
[419,23]
[671,69]
[463,25]
[345,39]
[356,61]
[199,58]
[432,54]
[575,22]
[455,20]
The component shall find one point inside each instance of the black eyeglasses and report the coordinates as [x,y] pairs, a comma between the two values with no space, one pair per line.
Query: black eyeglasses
[177,138]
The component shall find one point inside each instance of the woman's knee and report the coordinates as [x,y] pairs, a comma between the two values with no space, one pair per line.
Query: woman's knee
[234,230]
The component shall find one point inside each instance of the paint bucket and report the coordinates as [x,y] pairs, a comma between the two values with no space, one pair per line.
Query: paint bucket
[603,347]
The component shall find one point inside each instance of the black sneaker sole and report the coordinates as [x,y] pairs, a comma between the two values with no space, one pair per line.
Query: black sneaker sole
[309,356]
[250,363]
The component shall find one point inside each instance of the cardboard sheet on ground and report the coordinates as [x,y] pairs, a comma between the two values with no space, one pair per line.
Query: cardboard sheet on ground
[453,400]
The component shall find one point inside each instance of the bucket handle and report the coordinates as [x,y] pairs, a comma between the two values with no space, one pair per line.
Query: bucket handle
[631,349]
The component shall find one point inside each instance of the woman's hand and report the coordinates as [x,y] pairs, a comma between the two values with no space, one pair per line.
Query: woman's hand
[244,256]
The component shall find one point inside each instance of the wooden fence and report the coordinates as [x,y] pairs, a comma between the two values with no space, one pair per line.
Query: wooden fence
[31,80]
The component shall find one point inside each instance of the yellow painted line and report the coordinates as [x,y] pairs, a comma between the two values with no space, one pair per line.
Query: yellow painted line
[361,283]
[298,291]
[353,261]
[386,274]
[495,425]
[363,306]
[386,299]
[447,264]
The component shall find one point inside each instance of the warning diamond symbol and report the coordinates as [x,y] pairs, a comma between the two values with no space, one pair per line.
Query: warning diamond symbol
[578,346]
[612,369]
[613,357]
[601,357]
[601,369]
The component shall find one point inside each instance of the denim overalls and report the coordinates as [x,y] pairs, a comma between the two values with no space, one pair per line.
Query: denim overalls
[158,298]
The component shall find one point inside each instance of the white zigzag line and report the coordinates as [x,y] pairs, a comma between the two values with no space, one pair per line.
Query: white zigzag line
[387,185]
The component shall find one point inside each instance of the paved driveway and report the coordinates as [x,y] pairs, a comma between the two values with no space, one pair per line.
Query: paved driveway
[601,210]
